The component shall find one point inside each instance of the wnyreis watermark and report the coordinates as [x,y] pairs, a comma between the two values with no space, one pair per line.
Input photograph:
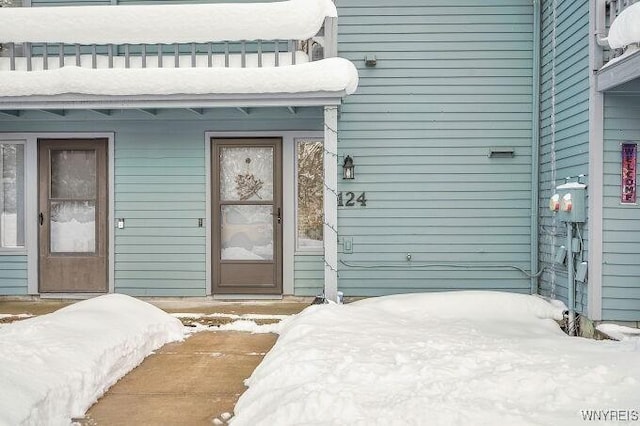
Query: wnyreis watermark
[610,415]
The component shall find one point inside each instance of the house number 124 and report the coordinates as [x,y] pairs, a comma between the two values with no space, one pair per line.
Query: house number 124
[349,197]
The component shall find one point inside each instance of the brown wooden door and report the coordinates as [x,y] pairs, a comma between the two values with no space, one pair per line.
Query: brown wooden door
[72,215]
[247,216]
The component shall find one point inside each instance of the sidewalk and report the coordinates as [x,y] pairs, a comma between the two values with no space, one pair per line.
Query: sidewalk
[194,382]
[187,383]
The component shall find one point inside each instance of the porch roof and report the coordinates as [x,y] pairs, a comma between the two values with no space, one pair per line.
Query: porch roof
[83,57]
[309,83]
[619,71]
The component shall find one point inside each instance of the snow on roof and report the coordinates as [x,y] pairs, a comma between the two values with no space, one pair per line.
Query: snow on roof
[625,29]
[53,367]
[327,75]
[190,23]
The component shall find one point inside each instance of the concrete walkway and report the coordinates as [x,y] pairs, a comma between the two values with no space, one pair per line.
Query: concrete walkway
[194,382]
[189,383]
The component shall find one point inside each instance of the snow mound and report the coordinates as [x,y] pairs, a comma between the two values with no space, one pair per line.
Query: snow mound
[625,29]
[458,358]
[620,332]
[474,305]
[177,23]
[74,355]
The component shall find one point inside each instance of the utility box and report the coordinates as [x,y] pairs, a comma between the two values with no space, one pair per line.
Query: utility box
[573,202]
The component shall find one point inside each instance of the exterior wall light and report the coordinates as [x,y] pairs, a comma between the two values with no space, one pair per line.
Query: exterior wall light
[348,169]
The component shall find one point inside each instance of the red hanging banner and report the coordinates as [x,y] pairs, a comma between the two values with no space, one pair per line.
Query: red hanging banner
[629,165]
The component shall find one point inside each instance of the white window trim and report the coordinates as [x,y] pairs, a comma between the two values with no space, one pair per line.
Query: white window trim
[303,251]
[18,251]
[31,199]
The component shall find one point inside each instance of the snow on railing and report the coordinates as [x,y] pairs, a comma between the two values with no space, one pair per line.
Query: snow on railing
[45,56]
[167,36]
[615,7]
[606,14]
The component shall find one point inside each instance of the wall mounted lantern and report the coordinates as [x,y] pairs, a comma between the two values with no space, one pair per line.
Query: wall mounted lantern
[348,169]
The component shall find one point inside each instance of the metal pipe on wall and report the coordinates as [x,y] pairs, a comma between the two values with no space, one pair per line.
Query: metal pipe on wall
[535,145]
[571,282]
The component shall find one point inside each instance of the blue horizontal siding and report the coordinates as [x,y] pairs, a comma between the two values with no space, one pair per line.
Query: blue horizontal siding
[13,275]
[452,80]
[564,129]
[308,275]
[621,226]
[160,180]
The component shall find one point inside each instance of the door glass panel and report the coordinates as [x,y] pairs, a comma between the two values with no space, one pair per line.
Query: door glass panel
[73,174]
[246,174]
[247,233]
[73,227]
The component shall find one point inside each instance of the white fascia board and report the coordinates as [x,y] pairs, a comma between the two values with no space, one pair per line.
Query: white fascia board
[170,101]
[620,72]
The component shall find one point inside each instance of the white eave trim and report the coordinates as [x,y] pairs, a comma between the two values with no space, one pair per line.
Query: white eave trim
[618,73]
[170,101]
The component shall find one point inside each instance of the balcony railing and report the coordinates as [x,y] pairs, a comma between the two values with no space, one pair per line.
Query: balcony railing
[241,54]
[606,12]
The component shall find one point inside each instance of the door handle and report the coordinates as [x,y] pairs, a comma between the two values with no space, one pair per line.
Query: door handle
[278,216]
[41,219]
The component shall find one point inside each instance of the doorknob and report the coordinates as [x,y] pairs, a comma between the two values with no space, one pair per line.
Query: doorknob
[41,219]
[279,216]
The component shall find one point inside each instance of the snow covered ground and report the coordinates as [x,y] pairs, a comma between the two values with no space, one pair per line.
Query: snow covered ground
[54,367]
[465,358]
[461,358]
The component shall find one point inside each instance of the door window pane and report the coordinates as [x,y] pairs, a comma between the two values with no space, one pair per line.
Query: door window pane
[73,226]
[247,233]
[310,195]
[246,174]
[12,195]
[73,174]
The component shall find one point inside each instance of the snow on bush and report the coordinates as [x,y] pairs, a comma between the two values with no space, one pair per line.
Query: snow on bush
[460,358]
[54,367]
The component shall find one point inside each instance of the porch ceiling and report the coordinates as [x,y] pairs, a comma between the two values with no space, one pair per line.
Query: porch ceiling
[196,104]
[138,113]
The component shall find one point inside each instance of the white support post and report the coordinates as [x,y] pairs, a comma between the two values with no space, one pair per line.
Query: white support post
[331,203]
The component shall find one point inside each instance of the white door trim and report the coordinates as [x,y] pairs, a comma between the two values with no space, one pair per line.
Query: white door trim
[288,198]
[31,198]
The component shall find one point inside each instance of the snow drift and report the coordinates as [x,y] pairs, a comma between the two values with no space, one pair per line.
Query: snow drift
[460,358]
[74,355]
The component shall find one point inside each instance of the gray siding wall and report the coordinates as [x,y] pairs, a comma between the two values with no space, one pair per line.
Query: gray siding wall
[13,275]
[160,189]
[564,128]
[621,249]
[453,79]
